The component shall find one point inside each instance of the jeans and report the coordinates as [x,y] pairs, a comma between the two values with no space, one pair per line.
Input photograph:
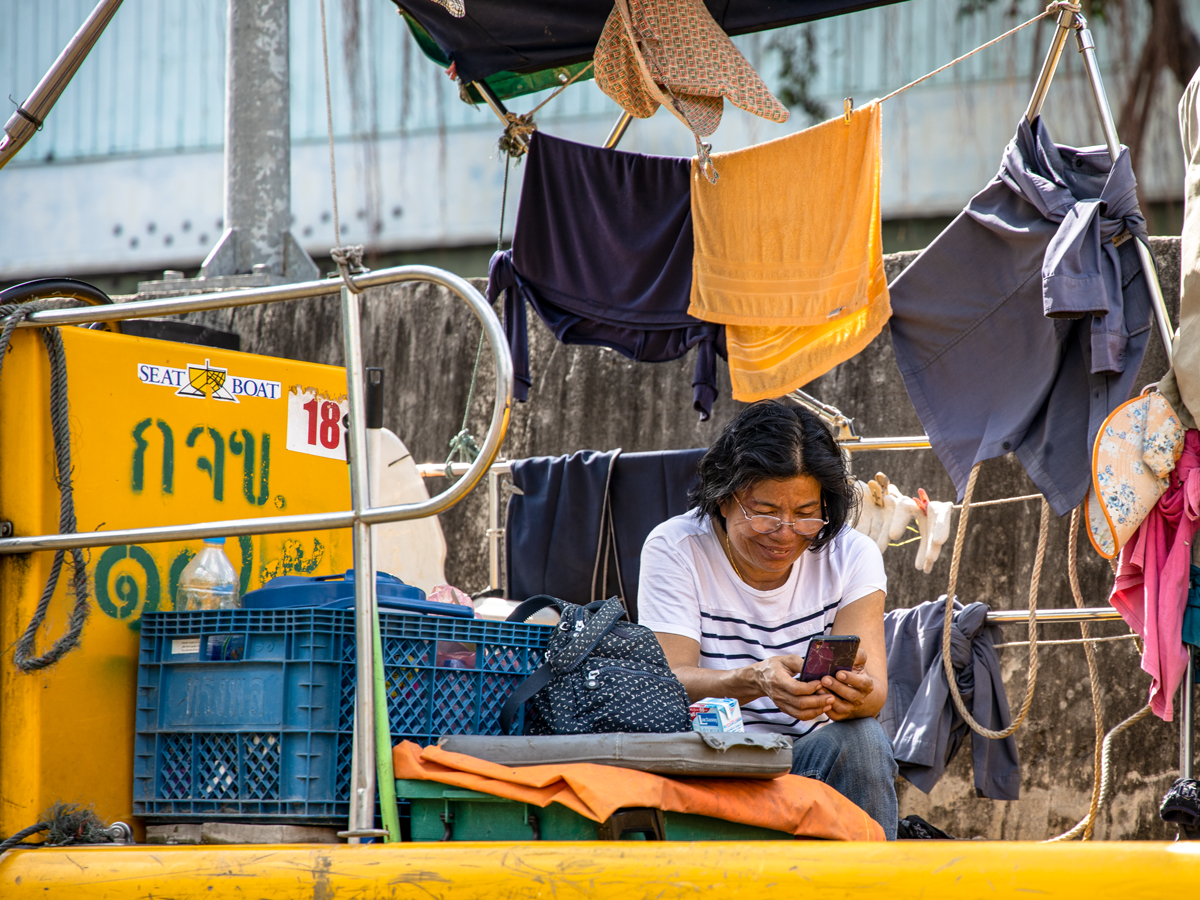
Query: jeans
[854,757]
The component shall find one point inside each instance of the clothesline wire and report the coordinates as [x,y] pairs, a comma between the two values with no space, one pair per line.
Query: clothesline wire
[1087,640]
[337,228]
[981,503]
[563,87]
[1052,9]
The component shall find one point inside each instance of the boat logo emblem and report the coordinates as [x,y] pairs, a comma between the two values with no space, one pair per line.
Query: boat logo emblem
[206,379]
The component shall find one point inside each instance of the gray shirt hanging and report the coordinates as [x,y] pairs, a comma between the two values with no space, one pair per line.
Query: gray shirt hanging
[1022,326]
[920,717]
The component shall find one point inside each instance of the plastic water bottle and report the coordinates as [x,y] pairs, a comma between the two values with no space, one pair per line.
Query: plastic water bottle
[208,581]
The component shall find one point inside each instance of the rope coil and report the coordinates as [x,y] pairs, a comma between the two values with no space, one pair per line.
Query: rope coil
[25,653]
[1035,580]
[1087,823]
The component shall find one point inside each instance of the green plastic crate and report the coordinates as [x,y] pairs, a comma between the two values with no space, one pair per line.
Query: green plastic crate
[483,817]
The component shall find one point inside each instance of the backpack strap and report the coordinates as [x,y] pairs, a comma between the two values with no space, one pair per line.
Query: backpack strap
[524,692]
[586,639]
[605,614]
[534,604]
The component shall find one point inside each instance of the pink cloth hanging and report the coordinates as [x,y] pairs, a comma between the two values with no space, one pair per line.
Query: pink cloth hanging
[1150,591]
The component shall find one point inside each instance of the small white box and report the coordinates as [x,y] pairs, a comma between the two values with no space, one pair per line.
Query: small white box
[716,714]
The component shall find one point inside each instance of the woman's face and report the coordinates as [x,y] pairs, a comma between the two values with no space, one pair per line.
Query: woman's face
[770,556]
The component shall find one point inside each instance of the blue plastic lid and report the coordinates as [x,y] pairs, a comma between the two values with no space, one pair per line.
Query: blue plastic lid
[214,540]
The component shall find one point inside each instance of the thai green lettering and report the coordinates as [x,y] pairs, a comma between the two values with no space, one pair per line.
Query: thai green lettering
[137,479]
[215,467]
[245,448]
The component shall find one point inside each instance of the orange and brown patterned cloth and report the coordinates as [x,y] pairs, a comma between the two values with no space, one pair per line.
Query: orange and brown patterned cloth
[792,804]
[673,53]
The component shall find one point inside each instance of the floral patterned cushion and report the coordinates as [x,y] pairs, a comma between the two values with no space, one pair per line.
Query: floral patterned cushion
[1135,453]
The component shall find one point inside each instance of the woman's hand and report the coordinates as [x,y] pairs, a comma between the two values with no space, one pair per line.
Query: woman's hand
[775,678]
[849,690]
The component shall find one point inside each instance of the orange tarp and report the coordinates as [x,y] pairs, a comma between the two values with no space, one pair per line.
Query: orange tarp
[800,806]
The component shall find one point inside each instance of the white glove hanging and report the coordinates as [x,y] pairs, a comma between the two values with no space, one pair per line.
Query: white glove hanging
[933,520]
[879,523]
[906,512]
[868,512]
[887,513]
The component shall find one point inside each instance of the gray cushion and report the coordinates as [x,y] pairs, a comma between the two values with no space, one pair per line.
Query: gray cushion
[710,755]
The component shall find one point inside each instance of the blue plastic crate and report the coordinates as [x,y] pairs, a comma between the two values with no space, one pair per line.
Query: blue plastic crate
[248,714]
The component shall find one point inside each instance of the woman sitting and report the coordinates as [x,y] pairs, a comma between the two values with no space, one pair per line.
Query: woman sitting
[766,561]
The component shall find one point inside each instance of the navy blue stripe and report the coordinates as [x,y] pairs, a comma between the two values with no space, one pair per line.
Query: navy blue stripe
[794,622]
[789,723]
[745,640]
[731,656]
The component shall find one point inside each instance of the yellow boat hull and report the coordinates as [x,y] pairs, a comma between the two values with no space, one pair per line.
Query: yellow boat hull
[625,870]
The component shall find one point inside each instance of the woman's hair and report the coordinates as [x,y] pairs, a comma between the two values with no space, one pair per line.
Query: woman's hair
[769,440]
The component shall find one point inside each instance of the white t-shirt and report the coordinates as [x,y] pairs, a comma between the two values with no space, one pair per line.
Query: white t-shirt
[688,587]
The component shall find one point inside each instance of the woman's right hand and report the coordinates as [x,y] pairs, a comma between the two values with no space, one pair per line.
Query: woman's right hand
[776,678]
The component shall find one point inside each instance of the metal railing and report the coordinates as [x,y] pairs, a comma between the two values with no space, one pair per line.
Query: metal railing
[362,516]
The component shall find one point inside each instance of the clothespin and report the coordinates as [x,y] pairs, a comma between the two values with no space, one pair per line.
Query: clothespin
[848,106]
[922,499]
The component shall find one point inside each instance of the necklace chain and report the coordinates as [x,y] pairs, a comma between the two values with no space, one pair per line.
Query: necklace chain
[732,562]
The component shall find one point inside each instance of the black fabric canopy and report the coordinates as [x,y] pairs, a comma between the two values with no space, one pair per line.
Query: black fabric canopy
[531,35]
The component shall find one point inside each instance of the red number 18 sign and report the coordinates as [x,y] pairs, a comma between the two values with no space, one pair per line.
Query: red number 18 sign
[314,424]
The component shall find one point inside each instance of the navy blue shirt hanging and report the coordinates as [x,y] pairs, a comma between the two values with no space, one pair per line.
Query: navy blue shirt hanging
[603,252]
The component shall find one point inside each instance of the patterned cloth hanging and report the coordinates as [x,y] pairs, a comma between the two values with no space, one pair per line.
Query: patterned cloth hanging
[673,53]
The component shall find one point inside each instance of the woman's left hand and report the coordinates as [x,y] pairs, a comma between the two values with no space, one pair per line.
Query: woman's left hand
[850,689]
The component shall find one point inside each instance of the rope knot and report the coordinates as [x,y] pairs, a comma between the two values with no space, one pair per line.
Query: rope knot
[517,129]
[349,260]
[464,446]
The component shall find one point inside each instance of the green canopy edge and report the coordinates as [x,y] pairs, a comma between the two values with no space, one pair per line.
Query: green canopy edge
[505,85]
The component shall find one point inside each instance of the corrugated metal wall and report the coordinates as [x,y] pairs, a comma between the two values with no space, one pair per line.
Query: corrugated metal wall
[135,139]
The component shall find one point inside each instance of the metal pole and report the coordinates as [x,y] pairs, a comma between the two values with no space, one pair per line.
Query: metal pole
[1065,22]
[861,445]
[1186,714]
[362,774]
[618,131]
[258,148]
[1087,47]
[494,533]
[20,128]
[1087,614]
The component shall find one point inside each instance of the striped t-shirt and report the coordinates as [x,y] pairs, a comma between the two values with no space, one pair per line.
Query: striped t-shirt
[688,587]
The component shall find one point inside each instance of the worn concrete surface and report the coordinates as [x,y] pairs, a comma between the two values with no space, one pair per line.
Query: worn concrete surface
[583,397]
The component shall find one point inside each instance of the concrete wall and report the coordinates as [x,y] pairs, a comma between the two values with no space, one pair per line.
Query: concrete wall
[583,397]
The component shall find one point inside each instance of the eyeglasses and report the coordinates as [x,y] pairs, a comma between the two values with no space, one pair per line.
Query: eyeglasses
[770,524]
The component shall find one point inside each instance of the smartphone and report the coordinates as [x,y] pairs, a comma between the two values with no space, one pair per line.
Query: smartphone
[829,655]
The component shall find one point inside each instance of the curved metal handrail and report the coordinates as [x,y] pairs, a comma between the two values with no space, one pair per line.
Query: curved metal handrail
[138,309]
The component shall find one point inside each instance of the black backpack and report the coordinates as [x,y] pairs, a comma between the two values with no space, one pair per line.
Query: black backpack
[601,676]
